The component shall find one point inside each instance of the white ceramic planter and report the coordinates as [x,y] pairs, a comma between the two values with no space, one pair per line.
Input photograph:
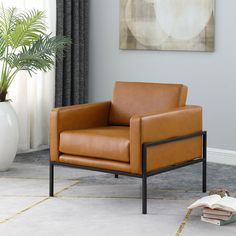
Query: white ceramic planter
[9,135]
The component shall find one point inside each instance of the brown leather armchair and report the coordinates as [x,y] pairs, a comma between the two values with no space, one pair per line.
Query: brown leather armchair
[147,129]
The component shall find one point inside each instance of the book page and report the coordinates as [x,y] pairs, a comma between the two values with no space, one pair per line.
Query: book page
[216,212]
[207,201]
[226,203]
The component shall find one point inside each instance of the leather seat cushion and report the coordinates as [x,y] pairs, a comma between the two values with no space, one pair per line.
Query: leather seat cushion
[110,142]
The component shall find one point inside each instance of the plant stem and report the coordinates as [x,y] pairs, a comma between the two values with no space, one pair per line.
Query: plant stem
[5,73]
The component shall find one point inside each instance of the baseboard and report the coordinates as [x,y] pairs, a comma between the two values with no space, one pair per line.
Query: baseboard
[221,156]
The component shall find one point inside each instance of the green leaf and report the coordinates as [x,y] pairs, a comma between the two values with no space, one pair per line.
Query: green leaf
[40,55]
[8,19]
[2,47]
[29,26]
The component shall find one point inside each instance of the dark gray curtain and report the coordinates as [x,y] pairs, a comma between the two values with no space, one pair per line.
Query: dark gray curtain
[72,70]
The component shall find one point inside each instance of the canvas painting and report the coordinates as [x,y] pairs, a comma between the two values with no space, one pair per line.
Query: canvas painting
[185,25]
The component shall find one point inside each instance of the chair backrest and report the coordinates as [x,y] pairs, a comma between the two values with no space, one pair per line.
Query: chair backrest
[130,98]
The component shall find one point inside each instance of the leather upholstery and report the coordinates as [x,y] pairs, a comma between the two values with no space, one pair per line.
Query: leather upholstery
[156,127]
[74,118]
[95,162]
[130,98]
[83,134]
[110,142]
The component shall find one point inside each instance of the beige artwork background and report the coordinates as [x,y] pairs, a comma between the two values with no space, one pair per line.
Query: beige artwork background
[178,25]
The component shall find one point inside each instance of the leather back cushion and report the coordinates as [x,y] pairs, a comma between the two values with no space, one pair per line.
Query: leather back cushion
[130,98]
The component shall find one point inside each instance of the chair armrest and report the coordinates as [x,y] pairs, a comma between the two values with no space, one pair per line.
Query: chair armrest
[76,117]
[159,126]
[177,122]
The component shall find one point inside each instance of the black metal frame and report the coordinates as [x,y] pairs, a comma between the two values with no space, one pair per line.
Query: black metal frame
[146,174]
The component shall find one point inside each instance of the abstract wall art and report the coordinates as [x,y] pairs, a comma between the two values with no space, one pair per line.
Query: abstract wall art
[181,25]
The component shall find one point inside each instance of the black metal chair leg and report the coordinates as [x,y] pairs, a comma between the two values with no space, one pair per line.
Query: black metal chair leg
[51,180]
[144,194]
[144,179]
[204,163]
[116,176]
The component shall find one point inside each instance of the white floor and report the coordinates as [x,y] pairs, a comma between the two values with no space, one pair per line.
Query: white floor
[85,209]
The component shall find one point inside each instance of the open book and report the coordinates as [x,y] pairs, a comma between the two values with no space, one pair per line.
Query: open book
[216,202]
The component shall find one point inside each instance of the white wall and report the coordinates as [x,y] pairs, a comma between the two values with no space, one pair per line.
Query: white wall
[211,77]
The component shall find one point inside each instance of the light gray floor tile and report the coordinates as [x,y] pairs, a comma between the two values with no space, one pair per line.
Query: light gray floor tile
[29,187]
[95,217]
[38,171]
[9,206]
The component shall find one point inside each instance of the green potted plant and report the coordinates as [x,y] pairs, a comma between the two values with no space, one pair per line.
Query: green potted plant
[24,45]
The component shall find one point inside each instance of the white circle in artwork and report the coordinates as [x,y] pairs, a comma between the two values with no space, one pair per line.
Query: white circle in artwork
[183,19]
[148,33]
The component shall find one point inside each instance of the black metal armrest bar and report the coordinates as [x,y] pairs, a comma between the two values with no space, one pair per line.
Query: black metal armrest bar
[175,139]
[170,140]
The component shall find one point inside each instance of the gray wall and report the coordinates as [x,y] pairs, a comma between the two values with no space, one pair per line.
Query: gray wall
[211,77]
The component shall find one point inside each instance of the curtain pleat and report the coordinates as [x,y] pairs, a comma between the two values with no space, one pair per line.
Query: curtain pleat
[72,70]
